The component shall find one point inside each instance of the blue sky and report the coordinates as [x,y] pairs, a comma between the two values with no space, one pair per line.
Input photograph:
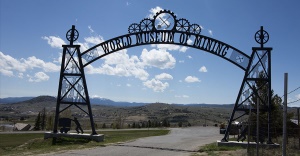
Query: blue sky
[32,32]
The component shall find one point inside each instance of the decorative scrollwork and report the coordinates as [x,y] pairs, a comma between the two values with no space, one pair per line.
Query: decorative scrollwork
[195,29]
[183,25]
[134,28]
[146,25]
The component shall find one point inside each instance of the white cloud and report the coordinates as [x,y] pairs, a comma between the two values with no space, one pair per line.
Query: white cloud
[210,32]
[6,72]
[21,75]
[181,61]
[191,79]
[38,77]
[156,85]
[190,57]
[94,39]
[203,69]
[120,64]
[33,62]
[9,65]
[182,96]
[153,11]
[164,76]
[297,96]
[183,49]
[166,46]
[54,42]
[90,28]
[158,58]
[128,85]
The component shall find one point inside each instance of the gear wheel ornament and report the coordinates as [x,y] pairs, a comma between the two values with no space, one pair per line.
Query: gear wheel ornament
[183,25]
[261,36]
[195,29]
[72,35]
[134,28]
[164,20]
[146,24]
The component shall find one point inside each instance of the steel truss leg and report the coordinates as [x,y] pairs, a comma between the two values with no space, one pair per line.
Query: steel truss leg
[258,72]
[72,89]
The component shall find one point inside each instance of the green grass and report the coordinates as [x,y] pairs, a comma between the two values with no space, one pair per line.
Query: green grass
[30,144]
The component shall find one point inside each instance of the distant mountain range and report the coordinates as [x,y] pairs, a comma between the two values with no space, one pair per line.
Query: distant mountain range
[97,101]
[94,101]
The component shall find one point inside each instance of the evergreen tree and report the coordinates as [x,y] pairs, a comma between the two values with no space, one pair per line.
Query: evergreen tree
[49,122]
[276,106]
[37,125]
[104,125]
[43,119]
[179,124]
[149,123]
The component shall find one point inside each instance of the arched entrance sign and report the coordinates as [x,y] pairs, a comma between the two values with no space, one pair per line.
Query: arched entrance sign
[165,28]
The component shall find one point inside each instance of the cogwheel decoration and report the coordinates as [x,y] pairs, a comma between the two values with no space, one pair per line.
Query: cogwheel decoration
[195,29]
[261,36]
[146,25]
[134,28]
[74,36]
[183,25]
[164,20]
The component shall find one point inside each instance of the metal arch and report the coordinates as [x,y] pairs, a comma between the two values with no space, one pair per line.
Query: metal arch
[118,45]
[147,33]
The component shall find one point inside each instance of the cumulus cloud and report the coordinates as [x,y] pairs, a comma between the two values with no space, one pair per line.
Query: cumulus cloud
[158,58]
[38,77]
[153,11]
[210,32]
[170,47]
[156,85]
[94,39]
[54,42]
[10,66]
[120,64]
[182,96]
[191,79]
[203,69]
[298,96]
[90,28]
[164,76]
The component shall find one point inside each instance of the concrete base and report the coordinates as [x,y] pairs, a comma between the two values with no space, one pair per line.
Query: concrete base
[97,138]
[245,144]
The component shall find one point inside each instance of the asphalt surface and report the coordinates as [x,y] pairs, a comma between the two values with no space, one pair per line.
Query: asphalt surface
[179,142]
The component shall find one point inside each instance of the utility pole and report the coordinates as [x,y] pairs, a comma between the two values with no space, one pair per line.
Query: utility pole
[298,126]
[249,123]
[284,114]
[257,125]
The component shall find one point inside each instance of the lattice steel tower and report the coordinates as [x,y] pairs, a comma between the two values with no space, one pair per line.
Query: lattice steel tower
[72,90]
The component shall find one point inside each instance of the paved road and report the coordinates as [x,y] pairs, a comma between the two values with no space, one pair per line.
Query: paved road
[180,142]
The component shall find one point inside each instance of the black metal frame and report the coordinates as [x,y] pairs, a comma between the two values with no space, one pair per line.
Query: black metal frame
[72,89]
[164,28]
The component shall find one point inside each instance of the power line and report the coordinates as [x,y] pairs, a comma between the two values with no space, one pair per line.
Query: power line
[294,101]
[291,91]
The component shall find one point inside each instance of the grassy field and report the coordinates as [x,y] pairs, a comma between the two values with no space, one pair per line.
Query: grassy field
[31,144]
[214,150]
